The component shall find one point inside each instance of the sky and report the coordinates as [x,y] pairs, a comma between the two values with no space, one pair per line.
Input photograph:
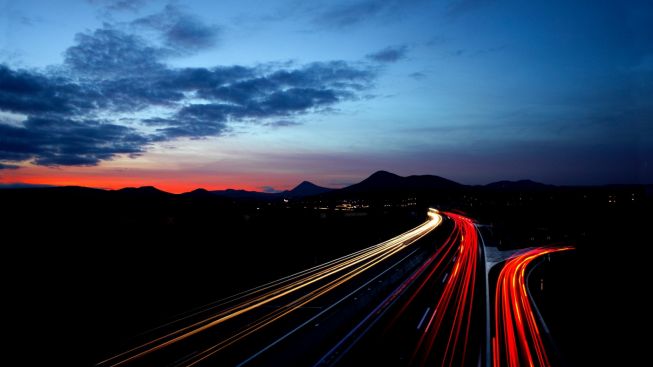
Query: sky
[263,95]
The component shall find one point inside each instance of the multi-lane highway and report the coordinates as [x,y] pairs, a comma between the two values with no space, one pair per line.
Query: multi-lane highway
[435,316]
[242,328]
[416,299]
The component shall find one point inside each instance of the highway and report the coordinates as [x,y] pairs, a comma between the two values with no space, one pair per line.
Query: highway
[417,299]
[517,339]
[434,317]
[245,328]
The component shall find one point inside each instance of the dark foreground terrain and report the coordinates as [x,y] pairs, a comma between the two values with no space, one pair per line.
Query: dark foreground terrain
[88,270]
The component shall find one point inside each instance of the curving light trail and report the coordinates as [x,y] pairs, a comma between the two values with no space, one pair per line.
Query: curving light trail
[444,340]
[517,340]
[445,284]
[315,281]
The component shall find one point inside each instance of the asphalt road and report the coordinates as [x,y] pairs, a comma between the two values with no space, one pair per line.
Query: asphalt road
[417,294]
[437,315]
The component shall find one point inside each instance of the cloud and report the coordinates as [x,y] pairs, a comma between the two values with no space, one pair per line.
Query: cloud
[389,54]
[481,52]
[239,93]
[120,5]
[287,101]
[8,166]
[332,74]
[349,13]
[418,75]
[53,141]
[282,123]
[22,185]
[109,52]
[269,189]
[180,30]
[28,92]
[66,116]
[193,121]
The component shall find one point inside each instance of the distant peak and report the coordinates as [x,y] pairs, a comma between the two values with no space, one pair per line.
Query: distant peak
[305,184]
[530,182]
[382,176]
[200,190]
[388,181]
[148,188]
[307,188]
[143,189]
[382,173]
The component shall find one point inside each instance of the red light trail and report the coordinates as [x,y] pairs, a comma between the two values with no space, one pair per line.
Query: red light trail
[434,311]
[518,341]
[435,321]
[450,321]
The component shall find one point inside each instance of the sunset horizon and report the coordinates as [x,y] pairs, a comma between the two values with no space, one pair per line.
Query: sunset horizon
[326,183]
[261,183]
[260,97]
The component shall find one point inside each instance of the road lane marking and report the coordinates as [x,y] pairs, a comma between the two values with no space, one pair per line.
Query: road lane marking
[419,326]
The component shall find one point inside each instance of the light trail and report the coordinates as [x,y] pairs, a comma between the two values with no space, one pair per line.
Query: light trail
[517,340]
[442,287]
[326,277]
[449,323]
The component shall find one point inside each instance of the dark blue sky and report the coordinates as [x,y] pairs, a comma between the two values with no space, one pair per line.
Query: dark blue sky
[236,93]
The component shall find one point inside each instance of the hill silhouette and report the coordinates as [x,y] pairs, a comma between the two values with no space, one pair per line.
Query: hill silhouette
[306,188]
[143,191]
[163,251]
[383,181]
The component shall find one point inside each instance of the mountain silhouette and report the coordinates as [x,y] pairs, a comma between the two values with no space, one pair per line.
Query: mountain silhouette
[383,181]
[379,182]
[143,191]
[306,188]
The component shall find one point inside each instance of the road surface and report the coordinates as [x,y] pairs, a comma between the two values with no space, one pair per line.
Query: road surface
[417,299]
[306,318]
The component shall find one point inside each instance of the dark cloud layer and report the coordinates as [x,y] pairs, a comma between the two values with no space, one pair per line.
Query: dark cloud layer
[8,166]
[181,30]
[58,141]
[110,71]
[109,52]
[31,93]
[389,54]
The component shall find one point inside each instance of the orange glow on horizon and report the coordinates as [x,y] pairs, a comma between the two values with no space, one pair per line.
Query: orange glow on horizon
[167,180]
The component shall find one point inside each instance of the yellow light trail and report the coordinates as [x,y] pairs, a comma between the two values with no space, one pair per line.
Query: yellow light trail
[350,266]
